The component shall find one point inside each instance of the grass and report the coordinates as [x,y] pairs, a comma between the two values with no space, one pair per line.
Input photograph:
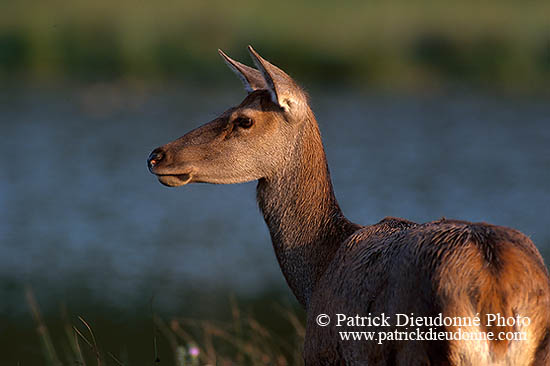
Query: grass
[397,44]
[241,341]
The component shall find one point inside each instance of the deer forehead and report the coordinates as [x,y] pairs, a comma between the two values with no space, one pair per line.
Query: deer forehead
[250,107]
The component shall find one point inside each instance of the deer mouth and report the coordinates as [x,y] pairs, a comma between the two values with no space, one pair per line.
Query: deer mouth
[174,180]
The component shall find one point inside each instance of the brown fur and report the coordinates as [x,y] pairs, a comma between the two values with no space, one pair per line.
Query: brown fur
[455,268]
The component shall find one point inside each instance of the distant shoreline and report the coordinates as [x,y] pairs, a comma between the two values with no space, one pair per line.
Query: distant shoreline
[401,46]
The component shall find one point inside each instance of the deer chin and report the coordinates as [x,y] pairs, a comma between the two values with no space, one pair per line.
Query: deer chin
[175,180]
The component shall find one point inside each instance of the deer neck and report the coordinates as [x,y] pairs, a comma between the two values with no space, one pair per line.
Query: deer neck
[305,222]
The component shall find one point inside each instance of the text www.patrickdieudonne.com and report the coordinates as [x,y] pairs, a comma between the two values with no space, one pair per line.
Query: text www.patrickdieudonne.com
[408,327]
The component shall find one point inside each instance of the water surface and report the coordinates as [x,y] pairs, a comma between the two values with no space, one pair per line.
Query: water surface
[85,224]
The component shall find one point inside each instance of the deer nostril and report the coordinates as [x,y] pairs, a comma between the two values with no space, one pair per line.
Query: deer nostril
[156,156]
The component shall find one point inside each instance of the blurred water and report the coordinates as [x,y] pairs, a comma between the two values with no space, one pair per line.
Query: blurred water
[81,217]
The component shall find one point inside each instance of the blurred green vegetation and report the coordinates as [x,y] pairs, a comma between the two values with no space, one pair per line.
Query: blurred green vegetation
[244,338]
[388,44]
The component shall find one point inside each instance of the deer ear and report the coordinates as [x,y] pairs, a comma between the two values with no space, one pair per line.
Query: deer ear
[284,91]
[251,78]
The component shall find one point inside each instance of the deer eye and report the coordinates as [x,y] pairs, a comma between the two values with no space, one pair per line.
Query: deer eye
[244,122]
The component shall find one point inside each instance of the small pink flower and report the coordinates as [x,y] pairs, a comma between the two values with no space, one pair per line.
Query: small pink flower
[194,351]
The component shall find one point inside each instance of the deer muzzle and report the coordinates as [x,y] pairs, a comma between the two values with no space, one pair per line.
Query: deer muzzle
[165,176]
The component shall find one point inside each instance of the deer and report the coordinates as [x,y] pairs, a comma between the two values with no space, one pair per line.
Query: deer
[336,268]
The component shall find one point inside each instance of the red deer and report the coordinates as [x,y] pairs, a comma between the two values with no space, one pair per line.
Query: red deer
[446,268]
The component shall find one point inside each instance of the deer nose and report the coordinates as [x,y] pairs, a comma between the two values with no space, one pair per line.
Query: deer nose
[154,158]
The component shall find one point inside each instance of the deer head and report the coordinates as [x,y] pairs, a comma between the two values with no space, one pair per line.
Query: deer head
[248,142]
